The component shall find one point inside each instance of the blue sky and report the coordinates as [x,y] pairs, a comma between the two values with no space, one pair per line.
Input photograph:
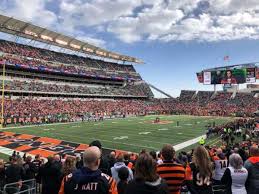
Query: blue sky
[174,38]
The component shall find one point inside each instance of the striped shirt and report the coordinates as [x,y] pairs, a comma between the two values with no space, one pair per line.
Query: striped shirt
[174,175]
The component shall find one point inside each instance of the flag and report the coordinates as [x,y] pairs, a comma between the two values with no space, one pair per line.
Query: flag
[226,58]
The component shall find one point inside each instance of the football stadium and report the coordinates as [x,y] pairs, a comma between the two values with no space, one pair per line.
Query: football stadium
[80,118]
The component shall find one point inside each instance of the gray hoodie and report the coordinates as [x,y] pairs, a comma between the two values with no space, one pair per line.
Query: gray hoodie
[115,169]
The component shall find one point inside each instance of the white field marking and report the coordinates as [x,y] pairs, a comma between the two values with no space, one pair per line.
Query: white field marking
[144,133]
[140,122]
[179,133]
[97,124]
[48,129]
[198,122]
[163,129]
[178,126]
[189,124]
[9,152]
[121,137]
[75,126]
[188,143]
[114,122]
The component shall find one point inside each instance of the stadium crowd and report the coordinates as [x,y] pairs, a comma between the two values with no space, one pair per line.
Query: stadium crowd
[46,60]
[229,168]
[59,88]
[72,108]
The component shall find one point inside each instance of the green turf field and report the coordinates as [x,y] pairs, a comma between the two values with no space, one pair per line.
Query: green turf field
[131,134]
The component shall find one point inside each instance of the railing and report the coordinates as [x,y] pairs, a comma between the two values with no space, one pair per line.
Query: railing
[26,187]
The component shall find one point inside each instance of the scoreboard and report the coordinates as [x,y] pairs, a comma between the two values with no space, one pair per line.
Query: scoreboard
[236,74]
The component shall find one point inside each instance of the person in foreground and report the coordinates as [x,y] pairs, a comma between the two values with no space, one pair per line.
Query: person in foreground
[235,176]
[89,179]
[202,172]
[146,180]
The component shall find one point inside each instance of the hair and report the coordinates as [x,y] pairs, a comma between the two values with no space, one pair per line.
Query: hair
[126,156]
[145,168]
[153,154]
[254,151]
[69,165]
[120,157]
[202,161]
[235,161]
[123,173]
[2,163]
[168,152]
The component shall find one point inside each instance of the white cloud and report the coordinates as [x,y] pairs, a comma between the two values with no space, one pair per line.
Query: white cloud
[30,10]
[145,20]
[91,40]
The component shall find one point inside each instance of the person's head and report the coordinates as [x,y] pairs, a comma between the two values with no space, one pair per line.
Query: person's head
[120,157]
[1,163]
[219,151]
[91,157]
[28,159]
[57,158]
[69,165]
[123,173]
[168,152]
[254,151]
[112,154]
[235,161]
[229,74]
[236,150]
[201,159]
[50,159]
[96,143]
[145,168]
[126,156]
[153,154]
[37,157]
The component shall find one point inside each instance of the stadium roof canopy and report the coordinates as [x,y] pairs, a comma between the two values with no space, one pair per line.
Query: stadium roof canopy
[247,65]
[24,29]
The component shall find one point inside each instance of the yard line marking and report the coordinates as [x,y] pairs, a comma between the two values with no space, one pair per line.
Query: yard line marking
[188,143]
[121,137]
[144,133]
[163,129]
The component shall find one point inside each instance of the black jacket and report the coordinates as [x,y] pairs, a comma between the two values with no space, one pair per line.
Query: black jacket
[14,173]
[140,187]
[50,175]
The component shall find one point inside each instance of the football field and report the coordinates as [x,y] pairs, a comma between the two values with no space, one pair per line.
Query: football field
[129,134]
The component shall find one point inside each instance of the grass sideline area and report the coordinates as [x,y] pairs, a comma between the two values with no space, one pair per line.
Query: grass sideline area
[129,134]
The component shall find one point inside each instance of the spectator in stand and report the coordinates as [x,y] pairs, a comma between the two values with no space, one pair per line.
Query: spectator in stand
[235,176]
[104,164]
[146,180]
[123,175]
[79,162]
[89,179]
[220,165]
[14,173]
[127,160]
[2,174]
[111,160]
[69,166]
[252,166]
[29,169]
[172,172]
[50,174]
[202,172]
[119,164]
